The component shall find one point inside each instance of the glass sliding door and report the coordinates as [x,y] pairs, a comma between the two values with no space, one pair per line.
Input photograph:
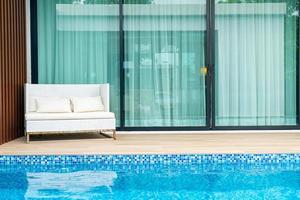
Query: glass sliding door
[78,42]
[162,48]
[256,62]
[164,63]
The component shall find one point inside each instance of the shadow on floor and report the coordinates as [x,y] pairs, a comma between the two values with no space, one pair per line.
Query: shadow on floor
[67,136]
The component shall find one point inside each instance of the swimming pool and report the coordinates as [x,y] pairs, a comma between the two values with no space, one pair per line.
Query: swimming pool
[218,176]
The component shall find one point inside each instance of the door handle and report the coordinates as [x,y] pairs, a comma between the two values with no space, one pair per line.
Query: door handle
[203,70]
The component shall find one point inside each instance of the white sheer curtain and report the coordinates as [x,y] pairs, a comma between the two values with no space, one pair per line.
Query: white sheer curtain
[164,48]
[79,43]
[251,65]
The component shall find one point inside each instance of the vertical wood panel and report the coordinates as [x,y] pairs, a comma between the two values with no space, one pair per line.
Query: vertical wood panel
[1,71]
[12,68]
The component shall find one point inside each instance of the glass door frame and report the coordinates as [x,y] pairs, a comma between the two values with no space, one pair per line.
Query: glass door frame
[208,81]
[210,77]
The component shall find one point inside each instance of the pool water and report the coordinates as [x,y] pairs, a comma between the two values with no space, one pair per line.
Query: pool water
[147,180]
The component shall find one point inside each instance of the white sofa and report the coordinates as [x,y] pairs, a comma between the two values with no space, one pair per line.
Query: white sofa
[68,122]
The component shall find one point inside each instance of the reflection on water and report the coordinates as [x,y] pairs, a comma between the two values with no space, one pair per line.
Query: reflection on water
[152,181]
[69,185]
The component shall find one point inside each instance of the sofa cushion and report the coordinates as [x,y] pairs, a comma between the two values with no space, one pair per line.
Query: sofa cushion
[33,101]
[53,105]
[32,104]
[87,104]
[66,116]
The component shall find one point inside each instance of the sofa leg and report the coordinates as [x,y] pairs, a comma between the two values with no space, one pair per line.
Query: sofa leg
[27,137]
[114,134]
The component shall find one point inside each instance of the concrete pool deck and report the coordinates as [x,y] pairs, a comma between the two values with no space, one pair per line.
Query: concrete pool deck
[158,143]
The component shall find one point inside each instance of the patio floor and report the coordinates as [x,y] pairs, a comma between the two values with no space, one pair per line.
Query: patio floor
[157,143]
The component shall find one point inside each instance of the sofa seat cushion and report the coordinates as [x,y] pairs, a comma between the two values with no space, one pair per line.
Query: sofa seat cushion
[66,116]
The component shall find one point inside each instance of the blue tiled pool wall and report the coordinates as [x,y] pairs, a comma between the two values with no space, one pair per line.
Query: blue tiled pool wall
[179,159]
[143,168]
[231,176]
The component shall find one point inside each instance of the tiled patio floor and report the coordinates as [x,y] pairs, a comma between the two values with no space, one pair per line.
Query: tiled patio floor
[158,143]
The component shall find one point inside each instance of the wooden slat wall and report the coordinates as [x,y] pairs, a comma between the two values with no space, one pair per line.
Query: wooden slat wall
[12,68]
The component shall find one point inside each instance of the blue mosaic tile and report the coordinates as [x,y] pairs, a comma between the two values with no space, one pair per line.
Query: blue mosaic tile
[151,159]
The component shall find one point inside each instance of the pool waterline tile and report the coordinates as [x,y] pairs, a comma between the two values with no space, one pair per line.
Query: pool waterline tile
[150,159]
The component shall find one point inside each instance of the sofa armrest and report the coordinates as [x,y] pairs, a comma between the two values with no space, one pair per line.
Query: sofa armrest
[104,92]
[26,97]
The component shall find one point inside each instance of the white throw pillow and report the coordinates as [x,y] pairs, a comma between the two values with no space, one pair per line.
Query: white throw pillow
[87,104]
[53,105]
[32,102]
